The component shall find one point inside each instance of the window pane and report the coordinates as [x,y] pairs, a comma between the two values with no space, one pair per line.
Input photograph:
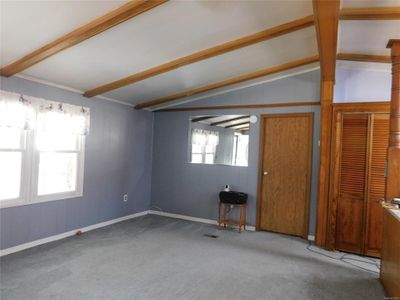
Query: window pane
[11,138]
[209,158]
[57,173]
[197,158]
[197,148]
[242,150]
[53,141]
[10,174]
[210,149]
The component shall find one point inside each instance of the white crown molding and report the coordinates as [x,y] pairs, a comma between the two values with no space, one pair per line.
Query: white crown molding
[307,70]
[67,88]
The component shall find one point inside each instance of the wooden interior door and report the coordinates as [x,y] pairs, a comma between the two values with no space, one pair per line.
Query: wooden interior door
[352,187]
[379,137]
[285,173]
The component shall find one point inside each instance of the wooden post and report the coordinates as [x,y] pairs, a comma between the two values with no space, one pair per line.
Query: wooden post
[326,19]
[324,165]
[393,166]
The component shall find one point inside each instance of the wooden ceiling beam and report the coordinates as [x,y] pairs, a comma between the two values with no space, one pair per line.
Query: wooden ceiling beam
[199,119]
[236,107]
[101,24]
[205,54]
[364,57]
[230,81]
[370,13]
[239,124]
[229,120]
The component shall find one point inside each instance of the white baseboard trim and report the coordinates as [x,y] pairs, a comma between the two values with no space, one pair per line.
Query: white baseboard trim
[189,218]
[110,222]
[68,233]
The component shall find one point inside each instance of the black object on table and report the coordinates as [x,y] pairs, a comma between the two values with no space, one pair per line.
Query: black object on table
[226,199]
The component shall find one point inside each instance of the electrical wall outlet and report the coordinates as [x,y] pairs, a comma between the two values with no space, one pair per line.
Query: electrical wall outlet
[125,198]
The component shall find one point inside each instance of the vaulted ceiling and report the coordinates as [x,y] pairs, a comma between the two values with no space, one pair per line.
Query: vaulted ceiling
[169,30]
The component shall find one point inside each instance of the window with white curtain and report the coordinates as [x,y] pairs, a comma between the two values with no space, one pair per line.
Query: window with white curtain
[204,146]
[41,149]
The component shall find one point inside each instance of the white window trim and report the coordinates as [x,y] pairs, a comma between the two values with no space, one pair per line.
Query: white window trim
[29,176]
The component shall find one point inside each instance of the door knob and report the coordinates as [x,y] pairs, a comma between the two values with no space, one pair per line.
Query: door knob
[265,173]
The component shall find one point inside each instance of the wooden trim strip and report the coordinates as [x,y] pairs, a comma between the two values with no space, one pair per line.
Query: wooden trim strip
[230,81]
[204,54]
[248,106]
[101,24]
[376,106]
[229,120]
[364,57]
[370,13]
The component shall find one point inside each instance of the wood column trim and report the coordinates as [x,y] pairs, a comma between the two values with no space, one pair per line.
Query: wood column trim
[326,18]
[393,173]
[324,164]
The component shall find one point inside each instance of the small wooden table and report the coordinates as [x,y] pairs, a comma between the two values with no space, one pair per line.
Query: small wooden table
[242,215]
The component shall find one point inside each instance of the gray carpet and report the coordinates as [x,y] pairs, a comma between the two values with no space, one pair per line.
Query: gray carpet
[154,257]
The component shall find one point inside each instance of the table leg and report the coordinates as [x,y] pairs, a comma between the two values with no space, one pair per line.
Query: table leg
[219,215]
[240,218]
[224,215]
[245,216]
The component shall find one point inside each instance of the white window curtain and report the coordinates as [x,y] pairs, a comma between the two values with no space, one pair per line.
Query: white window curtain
[205,137]
[25,112]
[16,111]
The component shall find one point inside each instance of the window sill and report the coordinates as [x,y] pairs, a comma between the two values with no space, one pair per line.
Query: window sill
[41,199]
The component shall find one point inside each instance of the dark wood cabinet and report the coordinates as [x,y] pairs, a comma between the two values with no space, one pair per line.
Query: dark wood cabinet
[360,157]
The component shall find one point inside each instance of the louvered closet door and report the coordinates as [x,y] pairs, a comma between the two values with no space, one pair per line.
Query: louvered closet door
[376,182]
[352,187]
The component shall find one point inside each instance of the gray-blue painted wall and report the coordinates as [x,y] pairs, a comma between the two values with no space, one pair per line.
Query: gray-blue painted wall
[119,155]
[362,85]
[192,189]
[117,161]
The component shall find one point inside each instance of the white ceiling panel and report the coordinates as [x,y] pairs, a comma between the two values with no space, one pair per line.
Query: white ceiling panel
[167,32]
[280,50]
[242,85]
[27,25]
[367,37]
